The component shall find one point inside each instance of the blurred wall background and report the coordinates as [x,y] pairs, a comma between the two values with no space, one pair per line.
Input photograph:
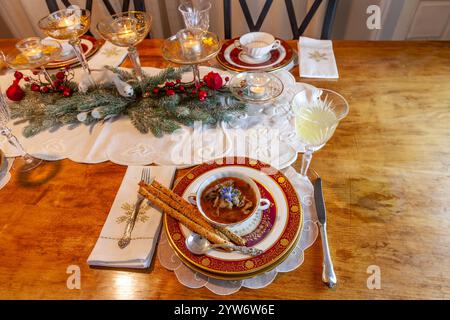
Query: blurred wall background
[400,19]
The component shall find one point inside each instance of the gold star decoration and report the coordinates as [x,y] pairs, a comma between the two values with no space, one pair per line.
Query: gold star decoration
[111,52]
[208,41]
[317,56]
[128,211]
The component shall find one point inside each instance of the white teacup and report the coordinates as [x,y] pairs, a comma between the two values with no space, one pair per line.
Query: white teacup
[257,45]
[261,203]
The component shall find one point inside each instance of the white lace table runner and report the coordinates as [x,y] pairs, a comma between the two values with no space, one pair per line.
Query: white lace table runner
[266,133]
[193,279]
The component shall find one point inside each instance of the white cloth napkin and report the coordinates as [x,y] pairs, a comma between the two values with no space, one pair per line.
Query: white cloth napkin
[317,59]
[107,55]
[139,253]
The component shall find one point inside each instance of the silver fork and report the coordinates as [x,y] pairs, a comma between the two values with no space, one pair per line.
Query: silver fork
[126,238]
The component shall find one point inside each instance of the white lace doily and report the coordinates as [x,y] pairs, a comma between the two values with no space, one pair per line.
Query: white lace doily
[266,133]
[5,175]
[193,279]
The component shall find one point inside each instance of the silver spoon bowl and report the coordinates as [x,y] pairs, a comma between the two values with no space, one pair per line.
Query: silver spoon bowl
[199,245]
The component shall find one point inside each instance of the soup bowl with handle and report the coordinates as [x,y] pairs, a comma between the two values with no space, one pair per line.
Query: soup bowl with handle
[261,203]
[257,45]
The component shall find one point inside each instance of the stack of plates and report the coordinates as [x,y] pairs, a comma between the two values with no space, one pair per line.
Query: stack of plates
[233,58]
[275,230]
[90,46]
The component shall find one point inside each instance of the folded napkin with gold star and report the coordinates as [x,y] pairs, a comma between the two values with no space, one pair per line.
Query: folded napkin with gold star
[107,55]
[144,237]
[317,59]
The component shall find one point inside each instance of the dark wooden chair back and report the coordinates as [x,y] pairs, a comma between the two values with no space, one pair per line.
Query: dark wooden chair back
[297,31]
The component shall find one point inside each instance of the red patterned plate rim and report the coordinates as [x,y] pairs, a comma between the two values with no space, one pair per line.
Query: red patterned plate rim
[248,265]
[224,62]
[96,45]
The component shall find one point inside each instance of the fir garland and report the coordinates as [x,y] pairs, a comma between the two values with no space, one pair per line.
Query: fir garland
[170,105]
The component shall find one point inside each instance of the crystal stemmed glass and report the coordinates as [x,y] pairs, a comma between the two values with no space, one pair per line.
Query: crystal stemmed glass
[69,24]
[127,29]
[26,162]
[195,13]
[316,119]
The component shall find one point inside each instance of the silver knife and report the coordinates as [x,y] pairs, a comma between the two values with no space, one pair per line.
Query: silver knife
[328,275]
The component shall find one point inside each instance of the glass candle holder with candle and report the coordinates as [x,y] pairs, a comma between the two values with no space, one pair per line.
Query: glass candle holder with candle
[127,29]
[69,24]
[190,42]
[31,48]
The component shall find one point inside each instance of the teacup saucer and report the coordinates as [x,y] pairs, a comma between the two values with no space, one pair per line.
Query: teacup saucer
[233,58]
[252,60]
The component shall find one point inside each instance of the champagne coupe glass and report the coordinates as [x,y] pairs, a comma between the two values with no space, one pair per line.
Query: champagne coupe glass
[34,53]
[195,13]
[316,119]
[69,24]
[127,29]
[26,162]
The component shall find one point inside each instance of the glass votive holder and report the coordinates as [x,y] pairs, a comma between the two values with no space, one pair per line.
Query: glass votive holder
[258,84]
[190,42]
[31,48]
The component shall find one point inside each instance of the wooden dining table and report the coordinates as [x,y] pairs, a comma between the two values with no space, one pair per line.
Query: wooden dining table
[386,182]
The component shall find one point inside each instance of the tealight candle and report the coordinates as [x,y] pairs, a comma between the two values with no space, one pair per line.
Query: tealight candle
[69,22]
[125,29]
[31,48]
[191,47]
[257,91]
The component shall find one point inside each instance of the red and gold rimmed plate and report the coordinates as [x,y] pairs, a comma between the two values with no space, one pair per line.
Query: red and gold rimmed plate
[275,231]
[235,59]
[90,46]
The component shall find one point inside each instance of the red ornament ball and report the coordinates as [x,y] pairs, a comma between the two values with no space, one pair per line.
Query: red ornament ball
[170,92]
[67,93]
[45,89]
[15,93]
[156,91]
[27,79]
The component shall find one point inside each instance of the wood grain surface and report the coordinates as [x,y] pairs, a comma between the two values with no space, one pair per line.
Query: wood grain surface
[386,183]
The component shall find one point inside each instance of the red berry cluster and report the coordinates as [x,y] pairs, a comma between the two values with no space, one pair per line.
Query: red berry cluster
[212,81]
[59,83]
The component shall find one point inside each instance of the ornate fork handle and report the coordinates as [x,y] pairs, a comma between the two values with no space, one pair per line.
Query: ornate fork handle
[242,249]
[126,238]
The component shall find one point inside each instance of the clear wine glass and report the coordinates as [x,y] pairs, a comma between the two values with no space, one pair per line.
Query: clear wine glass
[316,119]
[69,24]
[26,162]
[195,13]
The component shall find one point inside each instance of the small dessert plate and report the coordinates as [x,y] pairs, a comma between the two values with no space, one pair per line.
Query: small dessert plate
[256,87]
